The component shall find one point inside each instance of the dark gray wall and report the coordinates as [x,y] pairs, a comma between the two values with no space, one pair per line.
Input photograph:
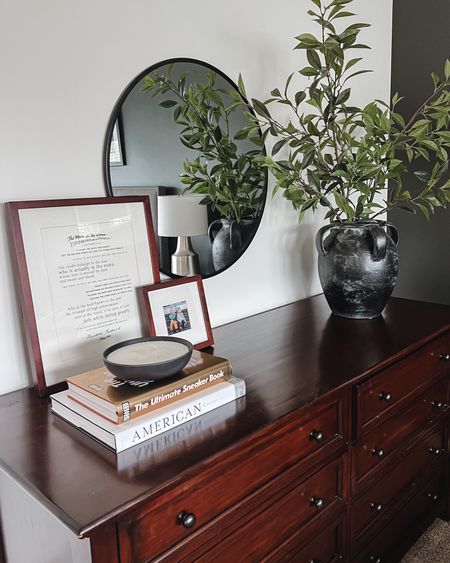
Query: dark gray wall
[421,43]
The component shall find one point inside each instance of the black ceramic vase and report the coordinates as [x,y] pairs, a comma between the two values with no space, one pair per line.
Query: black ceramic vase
[229,239]
[358,266]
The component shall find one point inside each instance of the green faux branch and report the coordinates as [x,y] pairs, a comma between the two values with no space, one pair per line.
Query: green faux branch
[340,156]
[230,179]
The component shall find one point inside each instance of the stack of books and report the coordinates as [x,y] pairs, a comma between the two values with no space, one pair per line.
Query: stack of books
[121,414]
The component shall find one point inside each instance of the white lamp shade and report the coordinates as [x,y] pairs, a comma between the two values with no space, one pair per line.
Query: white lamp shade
[180,215]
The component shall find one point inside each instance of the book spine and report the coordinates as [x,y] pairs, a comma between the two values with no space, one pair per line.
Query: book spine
[138,406]
[182,411]
[96,410]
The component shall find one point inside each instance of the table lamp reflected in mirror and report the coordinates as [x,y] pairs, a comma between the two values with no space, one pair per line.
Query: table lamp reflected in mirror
[182,216]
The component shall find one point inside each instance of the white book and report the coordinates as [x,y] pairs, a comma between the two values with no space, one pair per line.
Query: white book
[122,436]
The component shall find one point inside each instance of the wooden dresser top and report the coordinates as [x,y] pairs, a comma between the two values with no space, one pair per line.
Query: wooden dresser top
[289,357]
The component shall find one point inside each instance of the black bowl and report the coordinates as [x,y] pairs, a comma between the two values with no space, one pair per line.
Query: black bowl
[148,372]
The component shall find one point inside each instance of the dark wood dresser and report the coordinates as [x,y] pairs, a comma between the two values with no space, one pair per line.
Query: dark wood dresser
[339,452]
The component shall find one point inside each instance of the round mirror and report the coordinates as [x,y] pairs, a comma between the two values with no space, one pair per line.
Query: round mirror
[174,136]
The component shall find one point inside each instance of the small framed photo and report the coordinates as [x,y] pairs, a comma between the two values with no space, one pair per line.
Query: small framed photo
[79,264]
[178,308]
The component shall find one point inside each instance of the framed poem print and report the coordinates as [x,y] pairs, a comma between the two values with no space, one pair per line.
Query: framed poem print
[79,264]
[178,308]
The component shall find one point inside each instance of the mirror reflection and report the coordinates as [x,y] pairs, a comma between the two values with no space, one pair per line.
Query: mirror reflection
[175,137]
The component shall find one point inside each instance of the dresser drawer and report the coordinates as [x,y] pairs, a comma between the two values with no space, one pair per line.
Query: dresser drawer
[396,537]
[327,546]
[381,395]
[155,527]
[396,486]
[299,505]
[390,439]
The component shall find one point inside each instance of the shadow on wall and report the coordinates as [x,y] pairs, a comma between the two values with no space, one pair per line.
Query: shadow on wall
[297,244]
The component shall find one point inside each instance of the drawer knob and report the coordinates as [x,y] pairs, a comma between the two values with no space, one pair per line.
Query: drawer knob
[318,502]
[378,452]
[316,435]
[375,559]
[433,496]
[376,506]
[385,397]
[437,404]
[316,561]
[187,519]
[435,451]
[444,357]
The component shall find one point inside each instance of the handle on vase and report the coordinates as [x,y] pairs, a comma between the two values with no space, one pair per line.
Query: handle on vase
[319,239]
[379,239]
[213,227]
[392,232]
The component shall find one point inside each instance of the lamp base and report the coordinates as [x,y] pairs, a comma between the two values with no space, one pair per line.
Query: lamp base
[184,261]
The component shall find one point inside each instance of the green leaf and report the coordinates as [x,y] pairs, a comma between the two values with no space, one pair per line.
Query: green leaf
[436,79]
[260,108]
[447,69]
[430,145]
[288,81]
[423,175]
[344,205]
[312,129]
[328,159]
[355,27]
[343,15]
[445,136]
[241,86]
[419,128]
[356,74]
[168,103]
[405,208]
[359,206]
[278,146]
[424,210]
[307,38]
[343,96]
[313,59]
[307,41]
[307,159]
[299,97]
[309,71]
[352,62]
[313,179]
[308,204]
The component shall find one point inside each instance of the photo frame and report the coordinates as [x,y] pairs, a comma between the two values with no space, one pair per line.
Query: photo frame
[178,308]
[79,263]
[116,151]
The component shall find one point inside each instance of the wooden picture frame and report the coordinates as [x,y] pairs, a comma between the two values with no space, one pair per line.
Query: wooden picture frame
[178,308]
[79,263]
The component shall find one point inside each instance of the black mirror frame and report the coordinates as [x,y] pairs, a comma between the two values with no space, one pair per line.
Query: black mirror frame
[115,115]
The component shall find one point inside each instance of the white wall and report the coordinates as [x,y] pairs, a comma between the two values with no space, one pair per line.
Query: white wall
[63,65]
